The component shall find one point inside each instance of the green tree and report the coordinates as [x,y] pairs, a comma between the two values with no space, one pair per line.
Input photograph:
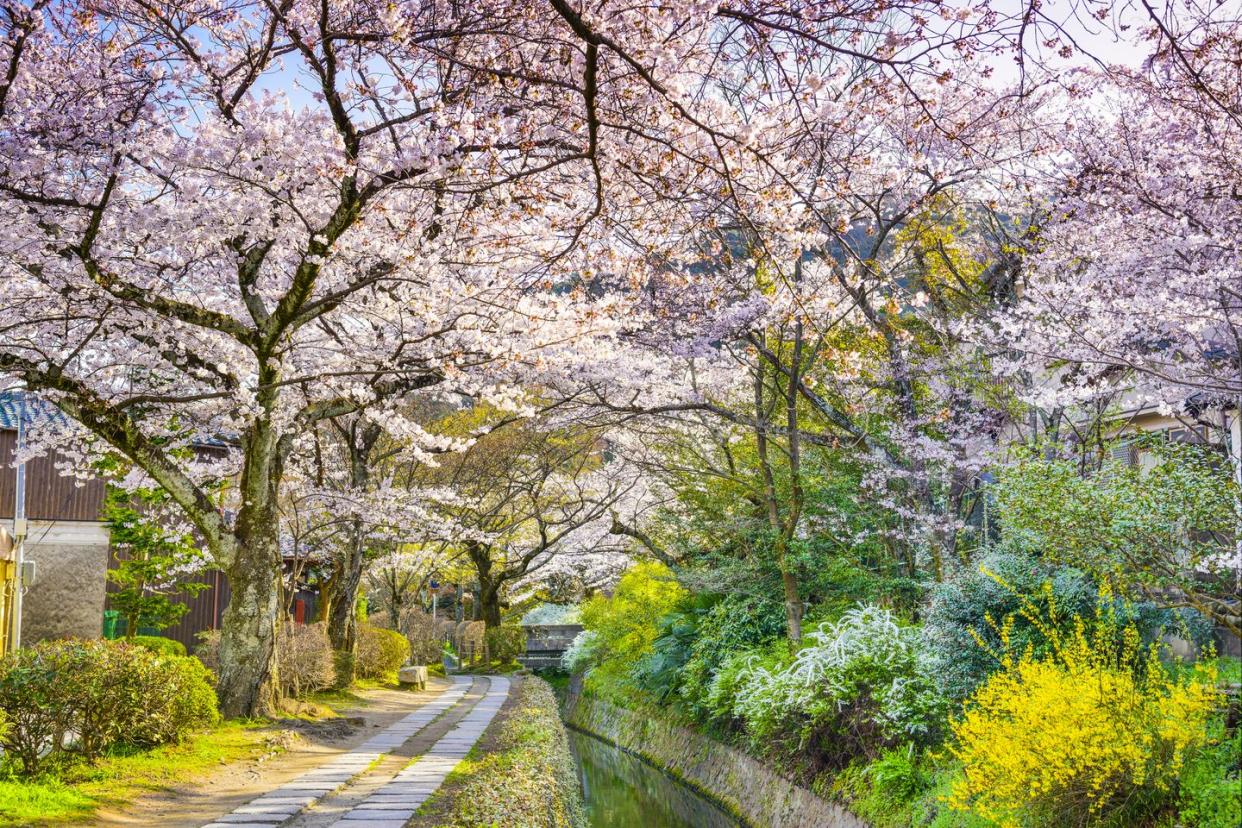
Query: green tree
[1163,528]
[152,559]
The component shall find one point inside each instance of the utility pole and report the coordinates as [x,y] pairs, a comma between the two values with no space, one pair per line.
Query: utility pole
[19,529]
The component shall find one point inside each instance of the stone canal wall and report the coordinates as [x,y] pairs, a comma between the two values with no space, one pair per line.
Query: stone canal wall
[746,787]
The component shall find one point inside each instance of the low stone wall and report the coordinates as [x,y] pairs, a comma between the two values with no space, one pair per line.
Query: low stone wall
[746,787]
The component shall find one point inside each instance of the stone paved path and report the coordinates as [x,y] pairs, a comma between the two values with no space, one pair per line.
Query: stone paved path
[359,788]
[287,800]
[393,804]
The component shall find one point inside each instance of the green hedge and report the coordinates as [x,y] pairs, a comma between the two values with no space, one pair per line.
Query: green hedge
[101,692]
[159,644]
[381,652]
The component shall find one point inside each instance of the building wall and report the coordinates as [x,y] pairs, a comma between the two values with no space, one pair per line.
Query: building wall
[50,495]
[67,597]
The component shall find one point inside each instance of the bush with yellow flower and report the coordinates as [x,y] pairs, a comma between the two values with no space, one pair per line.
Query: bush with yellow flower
[1095,731]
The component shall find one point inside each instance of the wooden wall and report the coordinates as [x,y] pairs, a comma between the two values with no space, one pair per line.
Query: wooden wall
[207,607]
[49,495]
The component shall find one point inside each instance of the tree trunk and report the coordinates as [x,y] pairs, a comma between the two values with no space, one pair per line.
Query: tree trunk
[248,682]
[249,678]
[343,621]
[793,607]
[489,605]
[327,598]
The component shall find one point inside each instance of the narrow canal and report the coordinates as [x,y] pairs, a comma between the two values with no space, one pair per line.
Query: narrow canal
[622,791]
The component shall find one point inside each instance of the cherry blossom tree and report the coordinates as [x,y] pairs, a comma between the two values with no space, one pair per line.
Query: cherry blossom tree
[233,220]
[526,500]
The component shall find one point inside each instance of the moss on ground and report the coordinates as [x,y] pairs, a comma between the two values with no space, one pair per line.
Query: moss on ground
[520,775]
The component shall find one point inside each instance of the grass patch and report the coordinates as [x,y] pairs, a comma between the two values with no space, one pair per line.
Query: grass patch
[348,697]
[337,700]
[125,773]
[520,775]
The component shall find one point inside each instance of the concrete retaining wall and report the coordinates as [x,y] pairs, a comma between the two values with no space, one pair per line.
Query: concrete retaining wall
[745,786]
[67,597]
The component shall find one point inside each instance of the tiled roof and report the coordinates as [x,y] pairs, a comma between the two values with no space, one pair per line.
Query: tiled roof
[17,406]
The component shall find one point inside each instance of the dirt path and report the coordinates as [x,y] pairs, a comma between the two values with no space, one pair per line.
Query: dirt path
[203,799]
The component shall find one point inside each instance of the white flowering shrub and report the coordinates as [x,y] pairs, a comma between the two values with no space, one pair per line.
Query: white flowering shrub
[858,683]
[552,614]
[580,653]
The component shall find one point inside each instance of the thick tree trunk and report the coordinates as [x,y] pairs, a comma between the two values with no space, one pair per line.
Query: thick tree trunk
[489,604]
[487,594]
[248,683]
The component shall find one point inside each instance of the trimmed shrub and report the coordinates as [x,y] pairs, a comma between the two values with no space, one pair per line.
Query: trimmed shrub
[304,659]
[506,643]
[158,644]
[176,695]
[380,652]
[102,692]
[34,704]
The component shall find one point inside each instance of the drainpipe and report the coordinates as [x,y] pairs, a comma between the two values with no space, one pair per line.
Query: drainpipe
[19,532]
[1235,457]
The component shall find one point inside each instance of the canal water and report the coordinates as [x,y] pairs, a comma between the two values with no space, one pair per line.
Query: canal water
[622,791]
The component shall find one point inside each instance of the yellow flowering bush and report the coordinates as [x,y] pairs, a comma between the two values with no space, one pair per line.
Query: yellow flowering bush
[1070,738]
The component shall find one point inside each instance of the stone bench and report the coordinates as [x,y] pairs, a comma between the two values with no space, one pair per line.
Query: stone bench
[413,676]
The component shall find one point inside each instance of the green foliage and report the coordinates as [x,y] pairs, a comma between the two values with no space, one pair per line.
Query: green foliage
[1156,525]
[735,673]
[625,627]
[885,790]
[34,706]
[381,652]
[962,623]
[736,623]
[857,687]
[659,672]
[102,693]
[172,696]
[506,643]
[159,644]
[150,560]
[1210,790]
